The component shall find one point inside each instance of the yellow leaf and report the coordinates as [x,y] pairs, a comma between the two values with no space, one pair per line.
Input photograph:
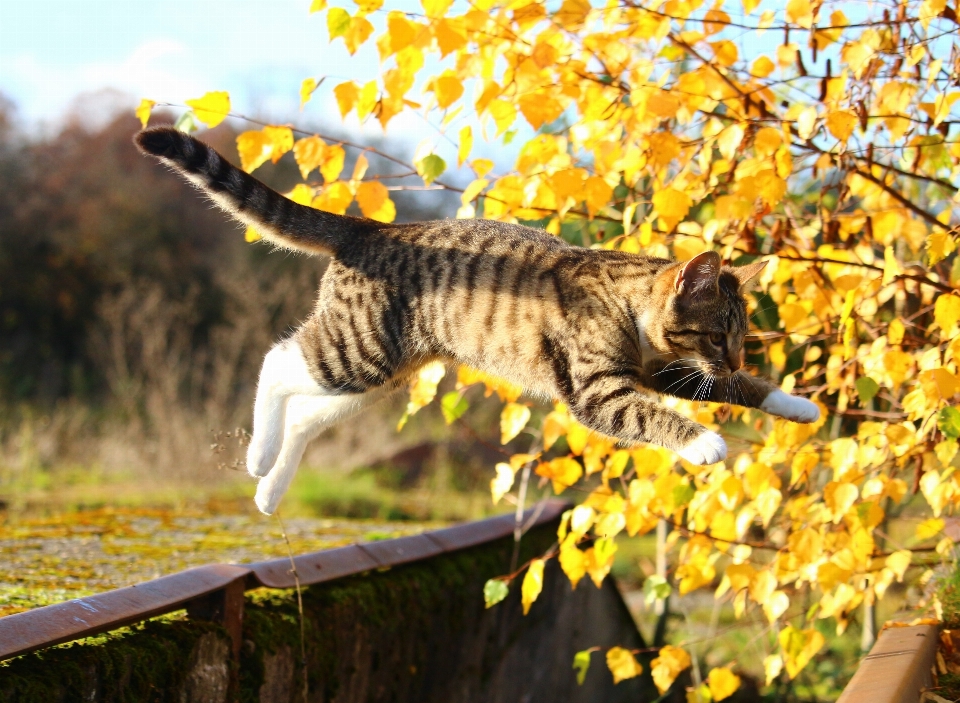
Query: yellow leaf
[572,561]
[504,114]
[946,314]
[839,498]
[143,111]
[767,140]
[436,9]
[281,141]
[448,89]
[572,14]
[930,527]
[465,145]
[332,165]
[335,198]
[762,67]
[306,90]
[800,12]
[513,418]
[423,388]
[212,108]
[799,647]
[374,201]
[449,37]
[401,31]
[346,95]
[338,22]
[532,584]
[841,124]
[726,52]
[749,6]
[366,100]
[622,664]
[939,246]
[318,5]
[302,194]
[807,122]
[539,108]
[723,683]
[254,148]
[898,562]
[357,33]
[939,383]
[562,471]
[597,194]
[772,666]
[672,206]
[776,605]
[368,6]
[309,153]
[668,665]
[251,235]
[502,484]
[895,332]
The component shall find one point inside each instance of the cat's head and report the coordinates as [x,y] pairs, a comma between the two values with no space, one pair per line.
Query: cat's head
[702,315]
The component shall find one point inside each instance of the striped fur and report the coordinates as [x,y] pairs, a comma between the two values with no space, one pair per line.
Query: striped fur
[597,329]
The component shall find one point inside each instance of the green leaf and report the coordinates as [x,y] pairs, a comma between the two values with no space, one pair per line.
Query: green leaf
[187,122]
[683,494]
[338,22]
[581,662]
[949,422]
[430,168]
[453,405]
[495,591]
[867,388]
[655,588]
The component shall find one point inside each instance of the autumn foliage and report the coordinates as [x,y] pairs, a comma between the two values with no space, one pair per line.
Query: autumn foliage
[820,136]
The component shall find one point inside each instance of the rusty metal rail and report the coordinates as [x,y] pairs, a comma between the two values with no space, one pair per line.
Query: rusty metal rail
[215,592]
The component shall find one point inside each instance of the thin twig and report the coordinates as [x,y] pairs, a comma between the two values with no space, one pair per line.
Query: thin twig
[296,581]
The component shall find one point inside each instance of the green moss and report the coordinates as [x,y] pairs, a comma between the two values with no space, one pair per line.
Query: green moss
[948,591]
[406,615]
[147,662]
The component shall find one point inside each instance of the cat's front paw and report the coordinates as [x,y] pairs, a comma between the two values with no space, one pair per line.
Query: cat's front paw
[707,448]
[790,407]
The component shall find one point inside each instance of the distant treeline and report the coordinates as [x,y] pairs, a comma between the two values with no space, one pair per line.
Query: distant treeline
[118,282]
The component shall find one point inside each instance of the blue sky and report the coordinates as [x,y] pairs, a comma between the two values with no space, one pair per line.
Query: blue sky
[168,50]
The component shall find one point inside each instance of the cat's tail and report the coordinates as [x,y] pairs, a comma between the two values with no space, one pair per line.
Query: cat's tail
[279,220]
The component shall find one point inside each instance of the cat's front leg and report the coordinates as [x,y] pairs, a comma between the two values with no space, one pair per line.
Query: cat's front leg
[614,406]
[739,388]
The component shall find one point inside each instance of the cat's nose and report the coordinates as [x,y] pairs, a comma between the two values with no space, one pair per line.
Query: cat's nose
[733,360]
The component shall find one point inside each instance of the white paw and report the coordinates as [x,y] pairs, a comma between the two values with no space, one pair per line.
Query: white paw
[790,407]
[260,459]
[707,448]
[268,497]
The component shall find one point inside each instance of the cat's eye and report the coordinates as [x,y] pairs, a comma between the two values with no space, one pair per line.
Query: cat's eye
[717,338]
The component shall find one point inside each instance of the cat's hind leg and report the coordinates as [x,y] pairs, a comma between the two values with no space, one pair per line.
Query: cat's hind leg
[284,374]
[305,418]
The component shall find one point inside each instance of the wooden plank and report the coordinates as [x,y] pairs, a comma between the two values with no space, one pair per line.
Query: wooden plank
[83,617]
[898,667]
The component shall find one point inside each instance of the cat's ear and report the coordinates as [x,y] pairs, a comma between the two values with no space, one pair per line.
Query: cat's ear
[698,276]
[747,273]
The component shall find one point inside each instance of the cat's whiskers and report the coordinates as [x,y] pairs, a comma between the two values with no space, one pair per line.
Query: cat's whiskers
[682,381]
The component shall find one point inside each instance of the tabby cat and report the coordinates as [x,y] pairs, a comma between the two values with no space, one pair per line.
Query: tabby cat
[597,329]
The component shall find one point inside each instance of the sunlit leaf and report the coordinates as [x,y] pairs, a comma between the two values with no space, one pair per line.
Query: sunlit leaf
[532,584]
[622,664]
[143,111]
[212,108]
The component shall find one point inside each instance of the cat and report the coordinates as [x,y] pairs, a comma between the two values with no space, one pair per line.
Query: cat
[597,329]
